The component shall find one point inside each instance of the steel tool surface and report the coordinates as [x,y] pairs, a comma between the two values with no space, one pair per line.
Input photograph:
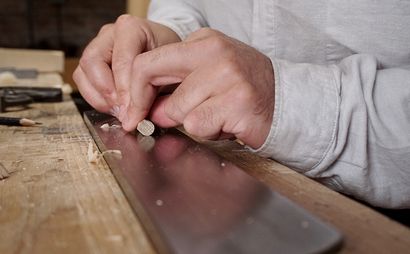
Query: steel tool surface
[192,201]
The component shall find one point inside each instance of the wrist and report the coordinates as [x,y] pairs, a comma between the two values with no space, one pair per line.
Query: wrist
[163,34]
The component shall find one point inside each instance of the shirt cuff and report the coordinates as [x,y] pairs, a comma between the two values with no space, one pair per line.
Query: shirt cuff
[181,17]
[182,30]
[305,116]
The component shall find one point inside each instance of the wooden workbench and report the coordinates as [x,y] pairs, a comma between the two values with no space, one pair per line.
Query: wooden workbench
[56,202]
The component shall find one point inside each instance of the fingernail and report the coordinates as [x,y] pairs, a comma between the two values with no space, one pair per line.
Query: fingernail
[115,111]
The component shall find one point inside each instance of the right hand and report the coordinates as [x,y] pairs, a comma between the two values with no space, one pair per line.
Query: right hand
[104,74]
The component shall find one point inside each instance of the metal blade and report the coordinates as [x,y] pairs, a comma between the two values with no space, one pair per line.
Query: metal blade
[190,200]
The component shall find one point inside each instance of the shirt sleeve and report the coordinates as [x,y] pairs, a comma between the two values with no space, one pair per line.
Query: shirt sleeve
[347,125]
[182,16]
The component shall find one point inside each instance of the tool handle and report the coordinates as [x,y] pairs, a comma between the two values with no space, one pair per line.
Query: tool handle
[21,96]
[38,94]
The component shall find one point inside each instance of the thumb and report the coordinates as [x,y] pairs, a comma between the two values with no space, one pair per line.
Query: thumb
[158,115]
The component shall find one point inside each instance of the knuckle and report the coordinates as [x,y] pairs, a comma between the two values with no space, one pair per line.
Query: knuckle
[106,91]
[105,28]
[192,127]
[200,122]
[171,110]
[230,68]
[138,66]
[244,93]
[206,31]
[77,76]
[123,95]
[87,58]
[127,20]
[138,108]
[217,43]
[175,109]
[119,64]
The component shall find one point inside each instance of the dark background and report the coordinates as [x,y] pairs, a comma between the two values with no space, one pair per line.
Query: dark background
[66,25]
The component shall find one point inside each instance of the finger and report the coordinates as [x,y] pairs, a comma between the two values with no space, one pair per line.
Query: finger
[143,92]
[171,62]
[131,39]
[90,94]
[158,115]
[194,90]
[135,112]
[180,59]
[219,118]
[174,61]
[96,61]
[208,119]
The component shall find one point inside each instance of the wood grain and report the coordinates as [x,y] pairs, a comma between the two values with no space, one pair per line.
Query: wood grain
[54,201]
[364,229]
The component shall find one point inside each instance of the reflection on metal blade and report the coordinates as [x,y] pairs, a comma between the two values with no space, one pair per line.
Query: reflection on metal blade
[190,200]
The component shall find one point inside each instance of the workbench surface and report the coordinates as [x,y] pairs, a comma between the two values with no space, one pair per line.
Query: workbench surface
[55,201]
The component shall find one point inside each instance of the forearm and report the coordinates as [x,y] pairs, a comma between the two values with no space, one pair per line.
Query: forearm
[346,125]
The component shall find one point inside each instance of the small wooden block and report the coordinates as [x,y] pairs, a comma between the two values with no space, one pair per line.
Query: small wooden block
[146,127]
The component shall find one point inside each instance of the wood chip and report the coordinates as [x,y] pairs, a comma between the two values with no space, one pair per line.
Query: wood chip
[107,127]
[146,127]
[7,78]
[116,153]
[92,156]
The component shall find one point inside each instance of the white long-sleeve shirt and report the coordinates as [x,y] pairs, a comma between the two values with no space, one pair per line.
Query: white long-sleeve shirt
[342,84]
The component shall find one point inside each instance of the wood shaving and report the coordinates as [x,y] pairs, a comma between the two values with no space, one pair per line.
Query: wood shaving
[66,89]
[117,153]
[92,156]
[107,127]
[7,78]
[240,142]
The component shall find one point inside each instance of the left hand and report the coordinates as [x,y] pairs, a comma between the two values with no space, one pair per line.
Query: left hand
[227,88]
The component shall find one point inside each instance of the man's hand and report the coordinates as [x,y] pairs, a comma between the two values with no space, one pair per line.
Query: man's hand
[227,88]
[104,74]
